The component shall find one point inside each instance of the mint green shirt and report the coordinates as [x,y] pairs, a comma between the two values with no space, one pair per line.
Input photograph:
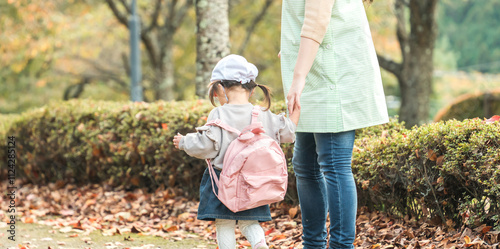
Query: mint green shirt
[343,89]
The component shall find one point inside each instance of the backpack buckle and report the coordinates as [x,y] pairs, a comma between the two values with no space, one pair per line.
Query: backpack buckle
[246,135]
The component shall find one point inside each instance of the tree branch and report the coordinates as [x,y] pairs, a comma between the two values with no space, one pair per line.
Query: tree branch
[122,18]
[170,13]
[126,64]
[103,73]
[401,32]
[172,22]
[154,18]
[69,93]
[253,25]
[390,65]
[127,8]
[150,48]
[181,13]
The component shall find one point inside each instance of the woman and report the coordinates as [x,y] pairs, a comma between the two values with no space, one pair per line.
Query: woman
[330,71]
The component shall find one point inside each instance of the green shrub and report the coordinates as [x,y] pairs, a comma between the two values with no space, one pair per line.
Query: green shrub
[128,144]
[118,143]
[448,170]
[471,105]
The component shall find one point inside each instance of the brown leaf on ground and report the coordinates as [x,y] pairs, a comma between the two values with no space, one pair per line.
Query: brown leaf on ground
[167,214]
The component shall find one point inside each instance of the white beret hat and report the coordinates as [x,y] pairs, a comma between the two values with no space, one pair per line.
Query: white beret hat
[234,67]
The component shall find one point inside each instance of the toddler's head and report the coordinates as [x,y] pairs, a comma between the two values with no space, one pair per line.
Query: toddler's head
[235,71]
[234,68]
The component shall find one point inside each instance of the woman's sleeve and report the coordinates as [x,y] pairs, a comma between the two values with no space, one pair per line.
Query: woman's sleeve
[316,19]
[205,143]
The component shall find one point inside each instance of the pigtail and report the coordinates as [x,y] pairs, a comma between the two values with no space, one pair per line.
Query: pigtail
[267,95]
[212,88]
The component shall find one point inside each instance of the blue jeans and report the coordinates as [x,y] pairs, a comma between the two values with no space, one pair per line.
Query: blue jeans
[325,183]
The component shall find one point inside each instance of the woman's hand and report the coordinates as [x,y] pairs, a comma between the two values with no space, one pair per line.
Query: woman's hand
[177,140]
[293,96]
[295,114]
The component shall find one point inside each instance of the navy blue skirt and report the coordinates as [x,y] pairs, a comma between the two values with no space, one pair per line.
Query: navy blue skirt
[211,207]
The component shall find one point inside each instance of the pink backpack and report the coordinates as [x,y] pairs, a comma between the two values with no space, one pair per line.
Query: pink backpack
[254,171]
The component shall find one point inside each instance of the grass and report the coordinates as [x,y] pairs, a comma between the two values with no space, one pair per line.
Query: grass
[42,236]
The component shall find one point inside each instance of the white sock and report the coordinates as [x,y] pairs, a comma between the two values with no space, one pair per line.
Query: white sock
[225,229]
[252,230]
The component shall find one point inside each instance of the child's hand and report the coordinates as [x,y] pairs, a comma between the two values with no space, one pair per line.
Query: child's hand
[295,115]
[177,140]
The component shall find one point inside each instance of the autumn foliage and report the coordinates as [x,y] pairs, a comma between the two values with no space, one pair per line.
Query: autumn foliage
[447,172]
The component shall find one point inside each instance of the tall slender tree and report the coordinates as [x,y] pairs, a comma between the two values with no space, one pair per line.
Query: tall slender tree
[212,39]
[414,72]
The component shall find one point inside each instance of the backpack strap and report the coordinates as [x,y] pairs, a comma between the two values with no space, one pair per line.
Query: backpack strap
[213,177]
[255,126]
[255,114]
[219,123]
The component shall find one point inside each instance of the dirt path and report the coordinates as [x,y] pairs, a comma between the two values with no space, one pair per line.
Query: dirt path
[42,236]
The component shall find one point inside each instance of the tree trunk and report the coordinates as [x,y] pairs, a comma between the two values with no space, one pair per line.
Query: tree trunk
[158,39]
[212,39]
[414,73]
[166,82]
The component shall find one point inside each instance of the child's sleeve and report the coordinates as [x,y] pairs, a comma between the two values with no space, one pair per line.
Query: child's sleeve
[286,128]
[205,143]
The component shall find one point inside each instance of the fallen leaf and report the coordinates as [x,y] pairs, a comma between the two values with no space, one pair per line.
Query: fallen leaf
[431,155]
[365,184]
[78,225]
[278,237]
[66,229]
[124,216]
[466,239]
[439,160]
[136,229]
[289,225]
[245,243]
[293,212]
[184,216]
[172,229]
[270,231]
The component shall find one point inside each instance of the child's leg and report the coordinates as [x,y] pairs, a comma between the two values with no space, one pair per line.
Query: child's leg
[226,238]
[254,233]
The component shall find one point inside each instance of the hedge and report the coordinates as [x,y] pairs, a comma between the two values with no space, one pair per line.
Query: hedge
[446,170]
[470,105]
[127,144]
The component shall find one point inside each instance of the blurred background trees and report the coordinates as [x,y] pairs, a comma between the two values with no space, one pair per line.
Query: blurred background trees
[65,49]
[467,28]
[416,36]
